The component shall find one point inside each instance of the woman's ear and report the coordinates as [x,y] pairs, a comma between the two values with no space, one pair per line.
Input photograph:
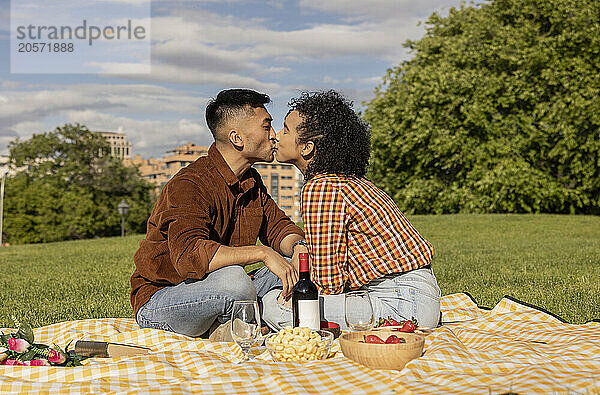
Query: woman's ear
[236,139]
[308,150]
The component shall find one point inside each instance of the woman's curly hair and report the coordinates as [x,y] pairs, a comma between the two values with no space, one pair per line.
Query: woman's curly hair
[342,139]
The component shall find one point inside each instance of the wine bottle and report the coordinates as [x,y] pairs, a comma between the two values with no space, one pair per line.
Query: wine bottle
[305,298]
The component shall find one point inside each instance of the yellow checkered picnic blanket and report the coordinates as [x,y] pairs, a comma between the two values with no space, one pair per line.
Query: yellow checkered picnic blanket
[511,348]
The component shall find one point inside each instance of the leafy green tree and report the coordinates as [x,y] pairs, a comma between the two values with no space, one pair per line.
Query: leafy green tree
[68,187]
[497,111]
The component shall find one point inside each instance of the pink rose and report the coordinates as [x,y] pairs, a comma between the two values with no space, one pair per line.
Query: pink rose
[39,362]
[18,345]
[56,357]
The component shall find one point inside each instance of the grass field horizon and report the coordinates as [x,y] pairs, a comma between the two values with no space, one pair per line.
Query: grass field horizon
[551,261]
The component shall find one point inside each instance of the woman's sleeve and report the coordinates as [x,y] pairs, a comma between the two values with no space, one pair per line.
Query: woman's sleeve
[323,213]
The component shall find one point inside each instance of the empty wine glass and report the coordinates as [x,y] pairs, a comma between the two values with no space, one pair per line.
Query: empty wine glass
[359,311]
[245,325]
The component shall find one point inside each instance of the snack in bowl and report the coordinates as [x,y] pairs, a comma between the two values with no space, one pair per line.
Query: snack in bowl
[298,344]
[382,349]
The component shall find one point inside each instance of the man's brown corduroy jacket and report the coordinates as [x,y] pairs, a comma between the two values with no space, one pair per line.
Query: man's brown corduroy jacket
[202,207]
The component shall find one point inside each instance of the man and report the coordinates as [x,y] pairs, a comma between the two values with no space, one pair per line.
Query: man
[204,226]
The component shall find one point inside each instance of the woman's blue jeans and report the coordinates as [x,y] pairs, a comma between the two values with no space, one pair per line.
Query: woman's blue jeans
[191,307]
[411,294]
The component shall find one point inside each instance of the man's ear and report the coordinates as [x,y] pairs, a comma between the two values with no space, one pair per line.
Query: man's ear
[236,139]
[308,150]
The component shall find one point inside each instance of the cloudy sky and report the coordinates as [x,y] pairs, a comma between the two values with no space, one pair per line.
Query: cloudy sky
[201,47]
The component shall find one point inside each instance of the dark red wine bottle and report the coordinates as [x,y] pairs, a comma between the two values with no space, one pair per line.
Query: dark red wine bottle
[305,298]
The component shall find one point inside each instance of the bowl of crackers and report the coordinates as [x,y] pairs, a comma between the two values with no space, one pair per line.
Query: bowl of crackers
[299,344]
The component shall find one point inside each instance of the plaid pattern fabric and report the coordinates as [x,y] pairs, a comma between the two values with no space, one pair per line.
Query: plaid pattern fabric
[511,348]
[356,233]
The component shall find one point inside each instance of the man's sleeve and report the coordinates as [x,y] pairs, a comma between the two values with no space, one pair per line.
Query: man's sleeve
[277,225]
[187,223]
[323,211]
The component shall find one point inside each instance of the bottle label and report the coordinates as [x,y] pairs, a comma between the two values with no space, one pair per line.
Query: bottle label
[308,314]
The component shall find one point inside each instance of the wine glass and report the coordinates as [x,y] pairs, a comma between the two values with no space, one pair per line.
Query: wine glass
[245,325]
[359,311]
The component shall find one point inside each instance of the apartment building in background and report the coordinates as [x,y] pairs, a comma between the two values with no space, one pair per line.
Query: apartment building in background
[283,181]
[159,171]
[180,157]
[119,146]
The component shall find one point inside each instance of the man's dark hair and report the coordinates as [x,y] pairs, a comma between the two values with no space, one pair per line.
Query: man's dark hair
[232,103]
[342,139]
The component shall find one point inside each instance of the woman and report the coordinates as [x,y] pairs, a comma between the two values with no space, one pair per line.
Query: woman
[356,235]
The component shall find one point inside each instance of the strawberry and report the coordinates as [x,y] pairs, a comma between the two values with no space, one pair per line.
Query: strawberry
[382,322]
[373,339]
[409,326]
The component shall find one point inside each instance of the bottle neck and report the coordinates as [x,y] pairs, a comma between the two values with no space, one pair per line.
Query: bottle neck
[304,275]
[304,268]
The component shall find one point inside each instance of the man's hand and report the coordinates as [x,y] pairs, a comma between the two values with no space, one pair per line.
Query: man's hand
[282,269]
[285,303]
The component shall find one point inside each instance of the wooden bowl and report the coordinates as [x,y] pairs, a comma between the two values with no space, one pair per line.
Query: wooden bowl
[382,356]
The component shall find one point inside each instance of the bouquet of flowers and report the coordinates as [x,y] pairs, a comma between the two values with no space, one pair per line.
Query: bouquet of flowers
[19,349]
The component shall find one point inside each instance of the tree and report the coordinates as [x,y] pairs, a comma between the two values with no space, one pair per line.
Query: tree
[68,187]
[497,111]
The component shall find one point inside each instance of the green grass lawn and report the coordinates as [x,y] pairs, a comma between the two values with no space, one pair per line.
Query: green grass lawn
[547,260]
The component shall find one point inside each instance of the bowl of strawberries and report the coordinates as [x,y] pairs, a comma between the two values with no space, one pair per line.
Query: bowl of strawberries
[391,345]
[382,349]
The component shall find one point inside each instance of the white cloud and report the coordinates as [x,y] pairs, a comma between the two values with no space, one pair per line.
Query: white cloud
[119,68]
[192,38]
[148,136]
[249,41]
[131,98]
[34,105]
[189,47]
[198,42]
[195,46]
[334,81]
[7,84]
[23,113]
[373,81]
[27,128]
[377,9]
[133,2]
[184,75]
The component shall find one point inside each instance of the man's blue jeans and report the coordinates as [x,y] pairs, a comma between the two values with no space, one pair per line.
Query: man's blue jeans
[190,308]
[411,294]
